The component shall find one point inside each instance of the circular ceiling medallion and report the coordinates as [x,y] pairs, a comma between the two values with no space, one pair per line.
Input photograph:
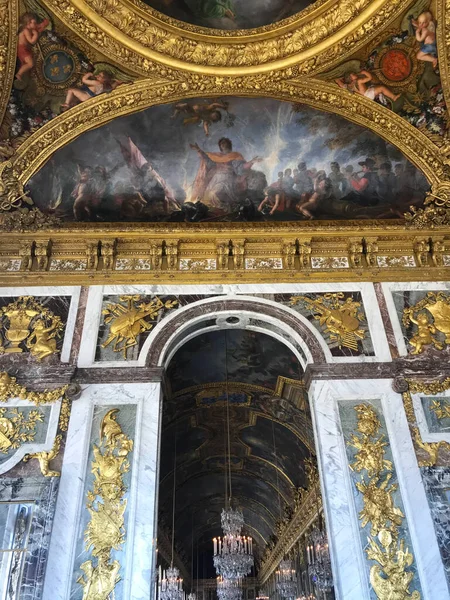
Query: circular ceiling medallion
[58,66]
[396,65]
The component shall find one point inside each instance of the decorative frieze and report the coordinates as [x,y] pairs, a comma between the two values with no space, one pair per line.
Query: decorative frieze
[168,257]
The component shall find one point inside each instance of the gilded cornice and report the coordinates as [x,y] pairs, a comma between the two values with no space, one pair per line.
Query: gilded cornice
[8,28]
[134,97]
[138,37]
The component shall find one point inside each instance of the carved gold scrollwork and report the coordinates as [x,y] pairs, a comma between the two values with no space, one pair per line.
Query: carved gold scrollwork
[391,575]
[106,505]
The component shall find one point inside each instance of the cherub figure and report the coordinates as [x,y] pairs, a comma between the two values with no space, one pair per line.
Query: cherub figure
[200,113]
[426,35]
[42,342]
[29,32]
[425,334]
[93,84]
[362,83]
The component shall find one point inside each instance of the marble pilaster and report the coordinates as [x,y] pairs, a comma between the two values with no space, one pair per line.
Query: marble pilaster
[137,559]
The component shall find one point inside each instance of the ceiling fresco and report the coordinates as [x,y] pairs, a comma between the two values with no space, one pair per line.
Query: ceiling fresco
[229,14]
[228,159]
[270,436]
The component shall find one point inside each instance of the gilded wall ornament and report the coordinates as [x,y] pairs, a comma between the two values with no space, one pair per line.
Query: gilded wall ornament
[441,409]
[16,428]
[9,388]
[106,505]
[431,316]
[45,457]
[391,575]
[128,319]
[340,318]
[27,324]
[429,456]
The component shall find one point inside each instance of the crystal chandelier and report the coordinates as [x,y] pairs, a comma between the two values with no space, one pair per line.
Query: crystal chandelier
[286,579]
[229,589]
[319,563]
[233,553]
[306,597]
[192,596]
[170,584]
[262,595]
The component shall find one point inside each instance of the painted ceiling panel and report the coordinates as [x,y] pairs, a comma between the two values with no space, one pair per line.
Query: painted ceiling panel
[232,159]
[229,14]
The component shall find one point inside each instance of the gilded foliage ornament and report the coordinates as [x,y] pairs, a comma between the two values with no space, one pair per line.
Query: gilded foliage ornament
[16,428]
[340,318]
[106,505]
[391,576]
[9,388]
[441,409]
[27,324]
[431,316]
[128,319]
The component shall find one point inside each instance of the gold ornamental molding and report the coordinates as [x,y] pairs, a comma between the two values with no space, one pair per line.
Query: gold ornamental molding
[9,19]
[132,34]
[127,99]
[443,45]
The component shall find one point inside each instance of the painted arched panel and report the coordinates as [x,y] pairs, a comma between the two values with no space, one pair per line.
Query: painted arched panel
[228,159]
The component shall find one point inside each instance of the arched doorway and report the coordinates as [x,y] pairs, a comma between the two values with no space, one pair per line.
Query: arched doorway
[236,422]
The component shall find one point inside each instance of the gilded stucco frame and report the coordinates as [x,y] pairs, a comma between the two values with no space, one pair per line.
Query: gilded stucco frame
[172,61]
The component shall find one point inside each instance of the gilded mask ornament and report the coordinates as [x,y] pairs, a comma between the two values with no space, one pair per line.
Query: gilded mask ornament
[16,428]
[106,505]
[431,316]
[128,319]
[27,324]
[340,318]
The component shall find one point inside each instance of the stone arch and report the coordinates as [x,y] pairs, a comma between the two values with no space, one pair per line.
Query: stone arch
[299,335]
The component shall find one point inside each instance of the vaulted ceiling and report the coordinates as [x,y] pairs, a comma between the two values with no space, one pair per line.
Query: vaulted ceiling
[270,437]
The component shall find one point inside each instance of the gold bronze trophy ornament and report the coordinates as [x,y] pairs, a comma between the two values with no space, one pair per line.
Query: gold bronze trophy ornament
[128,319]
[390,576]
[27,324]
[106,505]
[431,316]
[340,318]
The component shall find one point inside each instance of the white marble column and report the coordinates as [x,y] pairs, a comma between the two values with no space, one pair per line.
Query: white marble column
[348,560]
[138,558]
